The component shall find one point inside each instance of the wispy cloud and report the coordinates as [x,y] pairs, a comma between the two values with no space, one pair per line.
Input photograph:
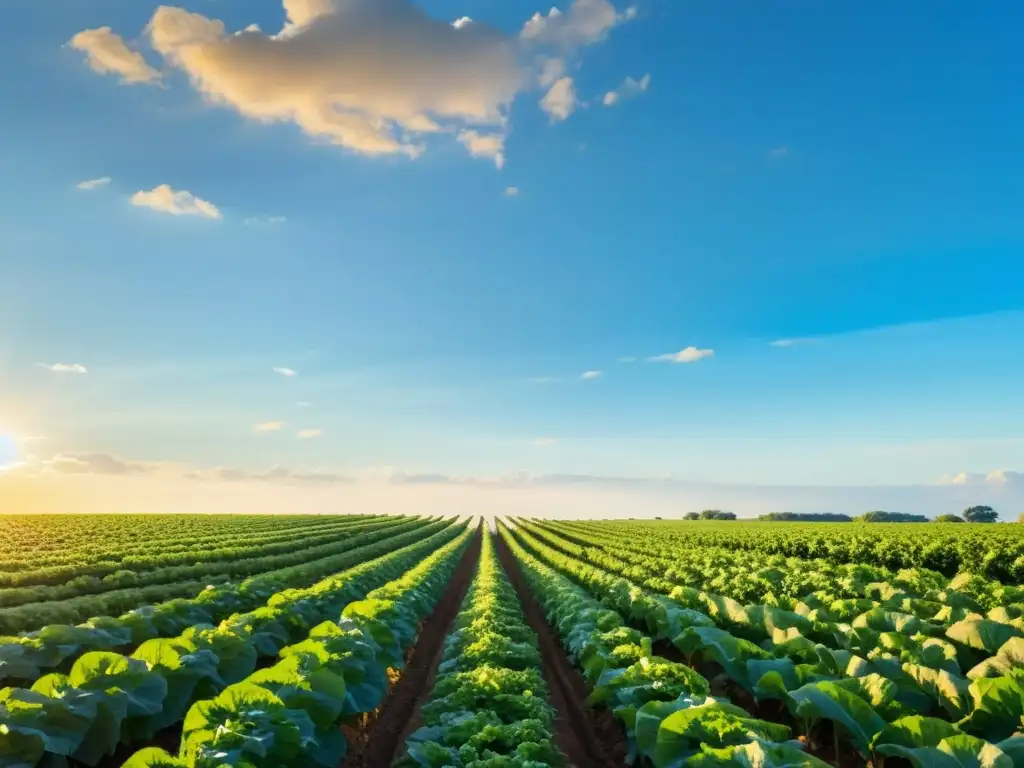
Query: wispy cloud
[626,359]
[81,464]
[511,191]
[64,367]
[269,426]
[543,442]
[591,375]
[107,53]
[175,202]
[94,183]
[791,342]
[687,355]
[542,379]
[256,221]
[628,88]
[778,153]
[303,404]
[274,475]
[308,434]
[285,372]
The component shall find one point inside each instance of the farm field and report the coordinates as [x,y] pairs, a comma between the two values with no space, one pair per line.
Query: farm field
[352,641]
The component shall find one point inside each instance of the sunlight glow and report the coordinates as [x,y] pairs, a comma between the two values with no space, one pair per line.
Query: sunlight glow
[8,449]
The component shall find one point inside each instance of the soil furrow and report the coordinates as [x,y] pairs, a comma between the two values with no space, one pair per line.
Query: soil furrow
[381,741]
[589,738]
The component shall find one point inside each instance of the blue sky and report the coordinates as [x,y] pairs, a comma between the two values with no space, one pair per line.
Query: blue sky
[844,175]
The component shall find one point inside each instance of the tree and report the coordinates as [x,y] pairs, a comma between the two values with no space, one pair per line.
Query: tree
[879,516]
[949,519]
[1021,518]
[691,516]
[717,514]
[980,514]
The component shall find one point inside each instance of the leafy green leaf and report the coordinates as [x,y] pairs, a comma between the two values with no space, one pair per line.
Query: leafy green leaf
[829,701]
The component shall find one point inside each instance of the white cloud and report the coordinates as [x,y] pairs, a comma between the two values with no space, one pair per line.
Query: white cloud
[288,372]
[551,69]
[269,426]
[177,203]
[307,434]
[107,53]
[591,375]
[255,221]
[93,183]
[64,367]
[778,153]
[1003,477]
[687,355]
[997,478]
[303,404]
[629,87]
[511,191]
[542,379]
[543,442]
[380,77]
[302,13]
[560,101]
[489,145]
[373,77]
[586,22]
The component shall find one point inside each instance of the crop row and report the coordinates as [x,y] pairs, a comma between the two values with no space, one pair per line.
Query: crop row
[753,576]
[195,569]
[107,698]
[99,563]
[664,706]
[34,538]
[489,701]
[902,645]
[996,551]
[290,714]
[51,648]
[873,699]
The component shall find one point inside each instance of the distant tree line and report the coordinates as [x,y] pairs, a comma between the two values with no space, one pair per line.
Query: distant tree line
[710,514]
[976,514]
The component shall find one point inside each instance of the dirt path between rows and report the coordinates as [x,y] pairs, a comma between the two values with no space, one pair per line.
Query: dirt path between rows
[382,740]
[589,738]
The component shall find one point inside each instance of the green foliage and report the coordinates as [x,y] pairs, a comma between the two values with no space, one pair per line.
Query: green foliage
[891,517]
[981,514]
[112,699]
[949,519]
[807,517]
[717,514]
[490,699]
[857,645]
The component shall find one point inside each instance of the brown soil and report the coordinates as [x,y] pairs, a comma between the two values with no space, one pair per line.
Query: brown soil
[589,738]
[381,739]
